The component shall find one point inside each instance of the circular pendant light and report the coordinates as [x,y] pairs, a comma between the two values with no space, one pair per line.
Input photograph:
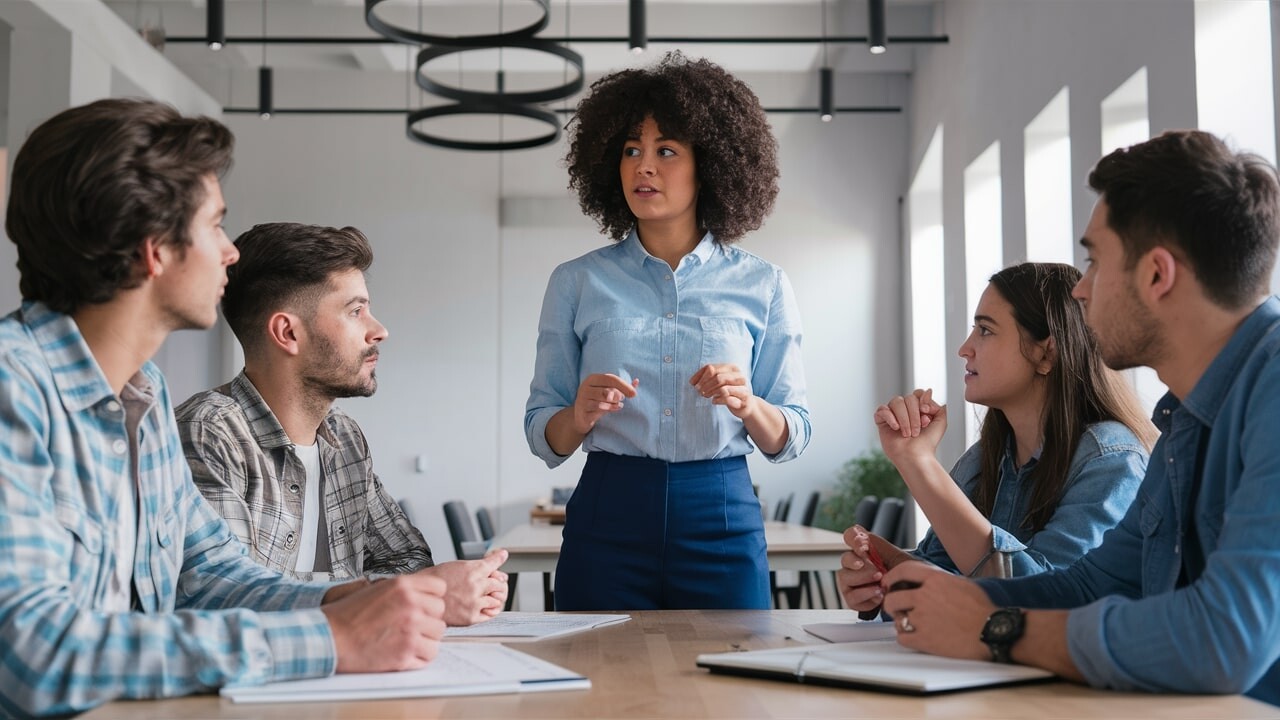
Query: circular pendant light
[415,37]
[489,108]
[558,92]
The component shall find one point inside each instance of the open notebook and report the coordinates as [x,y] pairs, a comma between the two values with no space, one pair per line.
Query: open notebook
[871,665]
[459,669]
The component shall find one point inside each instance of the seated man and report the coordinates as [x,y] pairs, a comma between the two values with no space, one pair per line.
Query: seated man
[117,579]
[291,473]
[1180,596]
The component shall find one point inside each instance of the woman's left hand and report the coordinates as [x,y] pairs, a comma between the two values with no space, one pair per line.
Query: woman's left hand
[725,385]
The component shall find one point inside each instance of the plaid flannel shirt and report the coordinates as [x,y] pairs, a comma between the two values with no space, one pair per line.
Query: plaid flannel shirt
[204,614]
[244,463]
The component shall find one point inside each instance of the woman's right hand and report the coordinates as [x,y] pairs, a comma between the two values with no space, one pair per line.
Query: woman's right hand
[858,579]
[598,395]
[911,426]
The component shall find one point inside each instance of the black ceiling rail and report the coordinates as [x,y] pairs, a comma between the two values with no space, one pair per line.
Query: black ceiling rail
[856,109]
[591,39]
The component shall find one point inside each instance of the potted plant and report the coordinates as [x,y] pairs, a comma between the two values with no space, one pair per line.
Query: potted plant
[870,473]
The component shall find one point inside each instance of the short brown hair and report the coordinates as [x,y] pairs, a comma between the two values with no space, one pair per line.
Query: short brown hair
[696,102]
[286,265]
[93,182]
[1218,209]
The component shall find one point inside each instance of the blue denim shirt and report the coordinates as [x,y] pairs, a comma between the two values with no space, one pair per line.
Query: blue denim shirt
[1181,595]
[1102,481]
[205,615]
[621,310]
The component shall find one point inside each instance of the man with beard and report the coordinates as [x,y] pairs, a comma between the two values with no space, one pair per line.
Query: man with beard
[291,473]
[1180,596]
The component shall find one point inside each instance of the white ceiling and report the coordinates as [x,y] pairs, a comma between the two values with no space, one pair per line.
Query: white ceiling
[577,18]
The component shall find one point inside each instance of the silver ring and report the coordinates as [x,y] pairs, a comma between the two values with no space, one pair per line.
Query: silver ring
[906,625]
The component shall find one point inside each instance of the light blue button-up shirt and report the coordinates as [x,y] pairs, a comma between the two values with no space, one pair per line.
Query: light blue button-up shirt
[621,310]
[203,610]
[1181,595]
[1102,480]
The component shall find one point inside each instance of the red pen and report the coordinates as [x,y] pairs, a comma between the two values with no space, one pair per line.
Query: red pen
[875,558]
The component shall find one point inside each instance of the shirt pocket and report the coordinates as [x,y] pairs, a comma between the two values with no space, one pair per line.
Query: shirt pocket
[619,343]
[726,340]
[85,567]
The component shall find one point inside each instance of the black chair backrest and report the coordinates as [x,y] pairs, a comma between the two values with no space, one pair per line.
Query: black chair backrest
[864,513]
[407,510]
[810,509]
[783,508]
[460,528]
[888,515]
[485,522]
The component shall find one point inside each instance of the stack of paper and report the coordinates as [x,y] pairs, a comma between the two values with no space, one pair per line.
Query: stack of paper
[459,669]
[527,626]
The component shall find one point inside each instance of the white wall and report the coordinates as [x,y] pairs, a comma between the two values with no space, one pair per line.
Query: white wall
[461,291]
[1006,59]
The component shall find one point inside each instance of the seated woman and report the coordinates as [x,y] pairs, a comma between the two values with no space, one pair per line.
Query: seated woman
[1061,453]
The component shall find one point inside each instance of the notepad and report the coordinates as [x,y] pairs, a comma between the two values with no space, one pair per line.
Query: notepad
[871,665]
[528,626]
[459,669]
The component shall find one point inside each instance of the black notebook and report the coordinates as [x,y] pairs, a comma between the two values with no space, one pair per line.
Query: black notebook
[871,665]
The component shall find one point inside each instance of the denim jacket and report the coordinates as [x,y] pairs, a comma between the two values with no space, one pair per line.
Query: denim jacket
[1103,479]
[1181,595]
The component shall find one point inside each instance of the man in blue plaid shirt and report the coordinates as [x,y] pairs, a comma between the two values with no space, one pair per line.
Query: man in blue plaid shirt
[117,579]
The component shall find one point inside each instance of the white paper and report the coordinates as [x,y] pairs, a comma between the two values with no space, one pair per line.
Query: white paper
[459,669]
[882,663]
[842,632]
[517,626]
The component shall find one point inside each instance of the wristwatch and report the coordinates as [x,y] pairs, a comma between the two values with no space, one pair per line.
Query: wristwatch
[1004,628]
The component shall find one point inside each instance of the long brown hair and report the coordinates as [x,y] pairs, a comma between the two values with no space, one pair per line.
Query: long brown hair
[1081,389]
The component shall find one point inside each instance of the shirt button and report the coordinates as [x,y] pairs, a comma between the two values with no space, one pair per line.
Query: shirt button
[294,488]
[666,359]
[670,315]
[113,406]
[1165,411]
[342,530]
[666,277]
[1170,461]
[119,447]
[288,540]
[667,412]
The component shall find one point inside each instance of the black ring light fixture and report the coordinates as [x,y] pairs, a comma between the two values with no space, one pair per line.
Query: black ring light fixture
[412,37]
[559,92]
[487,107]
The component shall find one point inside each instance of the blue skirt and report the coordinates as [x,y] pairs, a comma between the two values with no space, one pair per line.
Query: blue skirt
[644,534]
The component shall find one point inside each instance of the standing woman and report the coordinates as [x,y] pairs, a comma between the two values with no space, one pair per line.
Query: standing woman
[1059,459]
[671,354]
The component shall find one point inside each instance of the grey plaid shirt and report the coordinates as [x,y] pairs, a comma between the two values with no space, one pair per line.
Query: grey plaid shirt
[244,464]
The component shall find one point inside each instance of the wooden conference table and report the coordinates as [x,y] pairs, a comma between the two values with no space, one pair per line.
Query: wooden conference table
[645,668]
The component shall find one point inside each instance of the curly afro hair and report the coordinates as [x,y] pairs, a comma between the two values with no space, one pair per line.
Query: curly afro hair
[695,102]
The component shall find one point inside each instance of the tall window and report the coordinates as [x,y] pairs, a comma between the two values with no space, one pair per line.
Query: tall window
[928,298]
[1047,140]
[1235,97]
[983,246]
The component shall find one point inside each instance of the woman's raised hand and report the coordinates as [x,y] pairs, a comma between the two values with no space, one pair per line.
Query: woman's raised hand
[598,395]
[912,423]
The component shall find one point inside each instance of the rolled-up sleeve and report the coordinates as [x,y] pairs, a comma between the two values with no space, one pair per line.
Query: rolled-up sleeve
[778,374]
[555,372]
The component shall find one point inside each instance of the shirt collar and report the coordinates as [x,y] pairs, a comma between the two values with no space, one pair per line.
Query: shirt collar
[263,423]
[1210,391]
[634,249]
[79,379]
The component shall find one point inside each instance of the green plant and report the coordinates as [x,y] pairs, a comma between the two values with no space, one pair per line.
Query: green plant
[870,473]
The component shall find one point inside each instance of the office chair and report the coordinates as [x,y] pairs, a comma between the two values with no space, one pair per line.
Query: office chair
[466,544]
[485,522]
[807,517]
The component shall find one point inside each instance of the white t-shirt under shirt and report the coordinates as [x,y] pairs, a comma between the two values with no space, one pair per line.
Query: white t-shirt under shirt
[312,513]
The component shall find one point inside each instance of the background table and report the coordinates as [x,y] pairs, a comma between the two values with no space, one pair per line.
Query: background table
[645,668]
[535,547]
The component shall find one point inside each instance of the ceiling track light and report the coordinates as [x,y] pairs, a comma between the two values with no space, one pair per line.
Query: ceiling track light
[877,36]
[637,36]
[826,104]
[215,33]
[265,90]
